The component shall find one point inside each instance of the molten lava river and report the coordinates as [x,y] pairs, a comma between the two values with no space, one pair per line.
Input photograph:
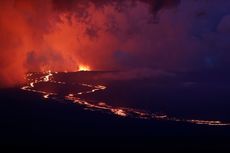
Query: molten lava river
[34,80]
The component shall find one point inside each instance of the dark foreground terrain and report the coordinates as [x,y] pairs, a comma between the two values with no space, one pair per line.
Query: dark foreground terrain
[27,121]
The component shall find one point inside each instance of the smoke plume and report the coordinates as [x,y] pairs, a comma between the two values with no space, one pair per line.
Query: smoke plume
[60,35]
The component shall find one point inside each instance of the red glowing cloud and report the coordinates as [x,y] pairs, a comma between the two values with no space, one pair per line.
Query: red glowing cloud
[58,35]
[61,35]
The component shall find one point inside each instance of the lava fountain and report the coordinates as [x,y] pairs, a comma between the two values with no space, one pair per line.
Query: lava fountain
[84,68]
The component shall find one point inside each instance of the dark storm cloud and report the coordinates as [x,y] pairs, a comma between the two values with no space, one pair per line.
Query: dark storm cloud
[154,5]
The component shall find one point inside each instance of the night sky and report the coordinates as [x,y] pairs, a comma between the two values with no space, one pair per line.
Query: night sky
[59,35]
[115,74]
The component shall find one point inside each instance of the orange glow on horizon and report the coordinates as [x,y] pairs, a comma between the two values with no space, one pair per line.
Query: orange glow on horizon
[84,68]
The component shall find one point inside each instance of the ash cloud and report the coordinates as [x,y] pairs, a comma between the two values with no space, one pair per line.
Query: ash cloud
[111,35]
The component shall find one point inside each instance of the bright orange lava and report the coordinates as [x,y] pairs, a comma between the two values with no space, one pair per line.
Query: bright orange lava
[83,68]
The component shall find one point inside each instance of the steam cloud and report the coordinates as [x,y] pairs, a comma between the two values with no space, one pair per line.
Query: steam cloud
[111,34]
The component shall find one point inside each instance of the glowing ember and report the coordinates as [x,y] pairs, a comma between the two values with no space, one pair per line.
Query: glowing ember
[32,84]
[71,95]
[46,96]
[119,112]
[102,104]
[83,68]
[47,77]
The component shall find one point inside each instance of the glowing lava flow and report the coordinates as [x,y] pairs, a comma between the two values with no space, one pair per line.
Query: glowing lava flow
[102,106]
[46,78]
[83,68]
